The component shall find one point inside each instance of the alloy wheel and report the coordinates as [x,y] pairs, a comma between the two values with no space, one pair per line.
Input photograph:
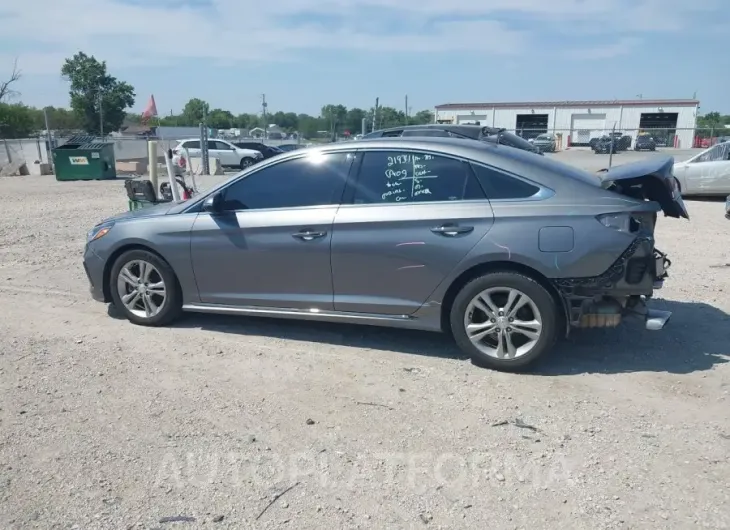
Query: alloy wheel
[141,288]
[503,323]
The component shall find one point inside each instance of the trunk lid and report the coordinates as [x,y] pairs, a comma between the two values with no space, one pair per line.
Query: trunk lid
[650,179]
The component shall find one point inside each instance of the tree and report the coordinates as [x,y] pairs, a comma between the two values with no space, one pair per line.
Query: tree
[353,120]
[422,117]
[389,117]
[95,95]
[221,119]
[334,116]
[6,90]
[61,120]
[194,111]
[248,121]
[286,120]
[16,120]
[309,126]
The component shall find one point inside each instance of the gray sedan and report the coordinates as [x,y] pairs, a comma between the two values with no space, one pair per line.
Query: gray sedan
[504,249]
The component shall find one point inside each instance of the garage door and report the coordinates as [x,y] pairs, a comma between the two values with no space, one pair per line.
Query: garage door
[586,126]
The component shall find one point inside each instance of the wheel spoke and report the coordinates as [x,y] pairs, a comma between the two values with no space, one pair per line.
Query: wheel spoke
[130,300]
[505,346]
[477,332]
[484,303]
[157,288]
[529,328]
[126,275]
[143,270]
[515,302]
[149,305]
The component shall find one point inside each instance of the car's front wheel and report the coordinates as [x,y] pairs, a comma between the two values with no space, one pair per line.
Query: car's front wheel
[246,162]
[144,287]
[504,320]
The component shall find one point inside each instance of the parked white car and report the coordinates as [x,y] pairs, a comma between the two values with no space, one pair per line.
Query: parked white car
[226,152]
[707,173]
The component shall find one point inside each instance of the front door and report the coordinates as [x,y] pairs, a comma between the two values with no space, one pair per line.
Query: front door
[414,216]
[271,245]
[223,152]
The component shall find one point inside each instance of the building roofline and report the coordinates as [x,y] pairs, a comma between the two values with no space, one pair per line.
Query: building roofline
[572,104]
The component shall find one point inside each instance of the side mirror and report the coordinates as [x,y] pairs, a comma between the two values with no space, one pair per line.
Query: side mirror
[214,203]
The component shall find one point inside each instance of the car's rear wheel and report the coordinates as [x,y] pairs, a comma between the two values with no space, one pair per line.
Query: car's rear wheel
[504,320]
[246,162]
[144,287]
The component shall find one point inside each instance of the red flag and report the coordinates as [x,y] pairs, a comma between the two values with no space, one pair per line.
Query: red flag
[150,110]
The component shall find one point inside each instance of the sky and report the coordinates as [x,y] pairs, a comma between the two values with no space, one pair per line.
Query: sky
[303,54]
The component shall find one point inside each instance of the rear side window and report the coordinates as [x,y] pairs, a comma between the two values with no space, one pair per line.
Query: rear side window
[410,177]
[191,144]
[391,134]
[498,185]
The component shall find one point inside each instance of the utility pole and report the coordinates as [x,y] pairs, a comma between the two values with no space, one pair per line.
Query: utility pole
[406,109]
[375,111]
[264,106]
[101,116]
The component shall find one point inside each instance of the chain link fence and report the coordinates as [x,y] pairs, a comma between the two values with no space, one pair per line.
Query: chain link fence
[128,151]
[627,138]
[35,151]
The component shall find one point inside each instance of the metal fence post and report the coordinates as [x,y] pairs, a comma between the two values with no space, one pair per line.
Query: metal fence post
[7,150]
[204,149]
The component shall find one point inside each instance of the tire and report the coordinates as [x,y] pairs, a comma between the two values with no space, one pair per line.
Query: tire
[246,162]
[541,307]
[169,304]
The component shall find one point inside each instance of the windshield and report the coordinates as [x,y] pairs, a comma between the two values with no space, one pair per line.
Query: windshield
[543,137]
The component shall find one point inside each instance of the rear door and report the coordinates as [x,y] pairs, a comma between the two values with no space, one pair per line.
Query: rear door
[408,218]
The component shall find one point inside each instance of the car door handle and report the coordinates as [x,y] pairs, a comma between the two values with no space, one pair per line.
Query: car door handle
[308,235]
[452,230]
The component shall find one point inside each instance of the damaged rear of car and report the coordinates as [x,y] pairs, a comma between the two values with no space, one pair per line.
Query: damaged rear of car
[624,288]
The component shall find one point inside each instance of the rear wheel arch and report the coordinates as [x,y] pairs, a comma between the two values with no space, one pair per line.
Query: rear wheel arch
[106,279]
[496,266]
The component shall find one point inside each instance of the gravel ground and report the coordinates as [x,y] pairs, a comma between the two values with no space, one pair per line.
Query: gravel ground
[203,425]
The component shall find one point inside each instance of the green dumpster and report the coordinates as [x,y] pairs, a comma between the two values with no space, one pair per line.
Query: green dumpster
[82,158]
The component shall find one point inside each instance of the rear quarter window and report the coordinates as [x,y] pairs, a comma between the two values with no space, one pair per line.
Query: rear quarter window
[498,185]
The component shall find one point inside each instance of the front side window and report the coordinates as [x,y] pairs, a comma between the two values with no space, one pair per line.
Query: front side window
[410,177]
[313,180]
[218,145]
[191,144]
[500,186]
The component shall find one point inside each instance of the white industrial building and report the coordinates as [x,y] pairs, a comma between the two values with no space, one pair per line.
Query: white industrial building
[671,121]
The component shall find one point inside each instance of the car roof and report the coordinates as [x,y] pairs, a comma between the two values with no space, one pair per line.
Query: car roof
[472,131]
[478,151]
